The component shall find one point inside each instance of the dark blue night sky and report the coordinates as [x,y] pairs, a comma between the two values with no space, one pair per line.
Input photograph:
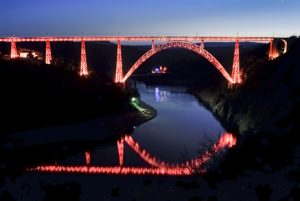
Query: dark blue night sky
[134,17]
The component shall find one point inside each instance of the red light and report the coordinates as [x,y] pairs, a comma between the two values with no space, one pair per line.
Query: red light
[173,41]
[87,158]
[119,65]
[48,53]
[186,45]
[120,145]
[157,167]
[236,73]
[13,50]
[83,64]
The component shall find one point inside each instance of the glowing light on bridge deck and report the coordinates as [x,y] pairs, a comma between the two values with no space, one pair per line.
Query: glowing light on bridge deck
[157,167]
[135,38]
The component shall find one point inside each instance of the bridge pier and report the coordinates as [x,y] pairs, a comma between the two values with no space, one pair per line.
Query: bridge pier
[13,49]
[48,59]
[83,64]
[236,73]
[119,66]
[271,50]
[120,145]
[153,44]
[273,53]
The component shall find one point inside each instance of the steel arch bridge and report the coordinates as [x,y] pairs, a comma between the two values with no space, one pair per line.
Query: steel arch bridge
[186,45]
[186,42]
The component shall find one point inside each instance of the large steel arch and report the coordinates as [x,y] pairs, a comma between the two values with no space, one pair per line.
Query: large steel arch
[179,44]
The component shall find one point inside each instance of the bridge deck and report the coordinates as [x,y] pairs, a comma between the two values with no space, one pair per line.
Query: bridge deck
[135,38]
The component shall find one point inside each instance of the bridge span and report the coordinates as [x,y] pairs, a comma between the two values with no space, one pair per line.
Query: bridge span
[186,42]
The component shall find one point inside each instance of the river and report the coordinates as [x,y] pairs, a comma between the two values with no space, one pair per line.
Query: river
[182,125]
[180,129]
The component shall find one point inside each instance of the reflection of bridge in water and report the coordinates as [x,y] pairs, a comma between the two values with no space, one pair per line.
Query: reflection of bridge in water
[157,167]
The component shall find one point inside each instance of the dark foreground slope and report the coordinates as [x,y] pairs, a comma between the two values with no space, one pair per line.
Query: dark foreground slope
[263,110]
[37,95]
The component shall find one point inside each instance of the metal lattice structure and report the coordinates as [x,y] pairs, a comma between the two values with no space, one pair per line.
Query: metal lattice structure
[136,38]
[83,64]
[119,65]
[236,73]
[48,53]
[13,50]
[180,44]
[186,42]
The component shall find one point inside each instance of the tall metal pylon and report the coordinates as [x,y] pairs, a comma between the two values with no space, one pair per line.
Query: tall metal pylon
[13,49]
[119,66]
[273,53]
[236,73]
[271,50]
[83,64]
[48,59]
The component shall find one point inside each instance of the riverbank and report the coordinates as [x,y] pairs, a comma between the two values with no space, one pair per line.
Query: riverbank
[44,109]
[35,95]
[56,143]
[263,113]
[265,162]
[103,128]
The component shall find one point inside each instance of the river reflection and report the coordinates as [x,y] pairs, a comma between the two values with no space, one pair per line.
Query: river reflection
[174,137]
[169,144]
[180,129]
[155,166]
[161,95]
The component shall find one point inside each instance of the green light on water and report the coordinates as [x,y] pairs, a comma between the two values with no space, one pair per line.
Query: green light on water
[134,99]
[135,103]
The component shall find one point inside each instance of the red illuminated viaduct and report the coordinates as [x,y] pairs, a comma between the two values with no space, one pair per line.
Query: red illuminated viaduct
[163,42]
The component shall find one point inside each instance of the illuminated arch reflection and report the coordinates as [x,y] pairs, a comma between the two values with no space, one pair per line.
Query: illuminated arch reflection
[156,167]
